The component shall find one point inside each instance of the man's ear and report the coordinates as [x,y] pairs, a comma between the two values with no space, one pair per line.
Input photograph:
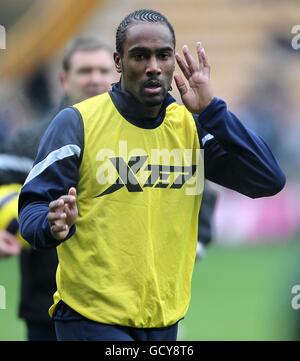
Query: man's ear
[117,59]
[63,79]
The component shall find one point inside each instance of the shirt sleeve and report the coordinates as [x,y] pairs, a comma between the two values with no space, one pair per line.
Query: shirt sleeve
[234,157]
[55,170]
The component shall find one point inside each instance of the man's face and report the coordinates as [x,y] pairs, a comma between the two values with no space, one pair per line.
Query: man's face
[90,73]
[148,62]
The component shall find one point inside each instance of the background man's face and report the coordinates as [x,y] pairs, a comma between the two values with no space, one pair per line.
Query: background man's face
[148,62]
[91,73]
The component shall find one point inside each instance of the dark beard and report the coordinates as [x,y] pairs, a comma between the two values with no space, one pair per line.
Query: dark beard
[153,102]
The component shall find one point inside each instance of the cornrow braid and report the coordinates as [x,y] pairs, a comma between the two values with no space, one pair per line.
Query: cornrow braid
[143,15]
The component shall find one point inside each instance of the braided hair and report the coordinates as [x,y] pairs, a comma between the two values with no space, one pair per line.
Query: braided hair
[138,16]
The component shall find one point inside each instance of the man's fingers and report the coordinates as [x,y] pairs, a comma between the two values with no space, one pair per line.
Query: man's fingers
[199,53]
[182,65]
[55,216]
[58,228]
[203,59]
[59,231]
[56,204]
[60,202]
[193,67]
[68,209]
[180,84]
[68,199]
[62,213]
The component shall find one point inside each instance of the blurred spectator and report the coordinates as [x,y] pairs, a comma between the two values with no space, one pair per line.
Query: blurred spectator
[206,231]
[37,90]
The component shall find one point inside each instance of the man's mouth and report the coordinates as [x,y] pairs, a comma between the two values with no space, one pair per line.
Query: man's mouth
[152,87]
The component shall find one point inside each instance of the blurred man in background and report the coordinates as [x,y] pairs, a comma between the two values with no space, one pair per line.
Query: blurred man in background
[88,70]
[205,221]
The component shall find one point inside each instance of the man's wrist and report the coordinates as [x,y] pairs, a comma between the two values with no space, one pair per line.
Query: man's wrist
[205,103]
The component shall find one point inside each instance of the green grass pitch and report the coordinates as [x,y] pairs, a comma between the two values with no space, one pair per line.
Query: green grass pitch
[239,293]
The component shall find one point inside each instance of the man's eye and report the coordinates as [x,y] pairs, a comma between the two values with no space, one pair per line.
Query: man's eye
[84,71]
[104,71]
[164,56]
[139,56]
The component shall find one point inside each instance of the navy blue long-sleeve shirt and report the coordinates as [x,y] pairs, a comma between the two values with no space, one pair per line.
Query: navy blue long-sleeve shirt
[234,157]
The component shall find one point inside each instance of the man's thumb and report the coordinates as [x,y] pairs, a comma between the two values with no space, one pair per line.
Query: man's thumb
[72,192]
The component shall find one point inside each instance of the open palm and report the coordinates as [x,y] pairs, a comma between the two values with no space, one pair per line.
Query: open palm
[198,95]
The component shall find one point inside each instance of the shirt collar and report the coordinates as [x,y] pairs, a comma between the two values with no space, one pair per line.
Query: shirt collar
[128,106]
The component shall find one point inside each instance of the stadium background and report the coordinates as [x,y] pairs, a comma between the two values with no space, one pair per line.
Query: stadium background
[242,287]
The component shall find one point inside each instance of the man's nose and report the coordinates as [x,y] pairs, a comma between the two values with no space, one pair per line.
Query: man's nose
[153,66]
[96,77]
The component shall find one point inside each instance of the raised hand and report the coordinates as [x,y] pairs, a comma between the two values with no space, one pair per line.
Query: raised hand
[62,214]
[199,94]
